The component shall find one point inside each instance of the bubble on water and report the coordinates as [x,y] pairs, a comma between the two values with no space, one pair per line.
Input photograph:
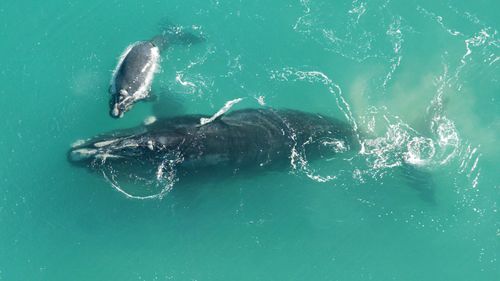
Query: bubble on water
[420,151]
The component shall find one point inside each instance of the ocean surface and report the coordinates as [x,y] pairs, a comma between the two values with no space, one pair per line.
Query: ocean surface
[418,79]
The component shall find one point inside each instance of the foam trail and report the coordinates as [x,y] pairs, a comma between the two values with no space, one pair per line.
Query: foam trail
[128,195]
[313,76]
[224,109]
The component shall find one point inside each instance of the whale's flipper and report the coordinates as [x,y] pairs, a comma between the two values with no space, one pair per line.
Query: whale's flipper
[221,111]
[176,35]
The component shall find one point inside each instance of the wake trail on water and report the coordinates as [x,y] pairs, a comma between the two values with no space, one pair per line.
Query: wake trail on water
[387,141]
[154,184]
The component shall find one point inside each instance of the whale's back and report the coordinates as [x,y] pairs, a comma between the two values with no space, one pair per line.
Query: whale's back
[137,68]
[263,136]
[250,137]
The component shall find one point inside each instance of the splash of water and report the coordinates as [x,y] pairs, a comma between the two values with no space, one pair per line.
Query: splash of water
[164,179]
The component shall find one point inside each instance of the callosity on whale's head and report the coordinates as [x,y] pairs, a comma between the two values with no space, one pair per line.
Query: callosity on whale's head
[120,103]
[87,152]
[146,142]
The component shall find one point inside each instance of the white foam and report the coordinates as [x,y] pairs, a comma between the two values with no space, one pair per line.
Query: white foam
[178,78]
[420,151]
[338,146]
[260,100]
[165,177]
[128,195]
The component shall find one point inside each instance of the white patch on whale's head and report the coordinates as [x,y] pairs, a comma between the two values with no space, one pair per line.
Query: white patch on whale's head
[115,112]
[82,154]
[121,103]
[77,143]
[105,143]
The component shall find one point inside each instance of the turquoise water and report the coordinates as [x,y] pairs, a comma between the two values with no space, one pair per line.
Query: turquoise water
[419,79]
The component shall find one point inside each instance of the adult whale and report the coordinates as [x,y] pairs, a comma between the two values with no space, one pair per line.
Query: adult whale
[239,139]
[133,76]
[258,138]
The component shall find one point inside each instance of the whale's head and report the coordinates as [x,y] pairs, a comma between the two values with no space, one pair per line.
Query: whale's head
[142,143]
[100,149]
[120,103]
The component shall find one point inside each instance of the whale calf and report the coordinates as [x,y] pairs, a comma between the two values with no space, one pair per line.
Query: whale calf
[239,139]
[133,76]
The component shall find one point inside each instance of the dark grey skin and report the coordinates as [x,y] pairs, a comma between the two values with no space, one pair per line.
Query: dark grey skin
[133,77]
[240,139]
[134,73]
[243,140]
